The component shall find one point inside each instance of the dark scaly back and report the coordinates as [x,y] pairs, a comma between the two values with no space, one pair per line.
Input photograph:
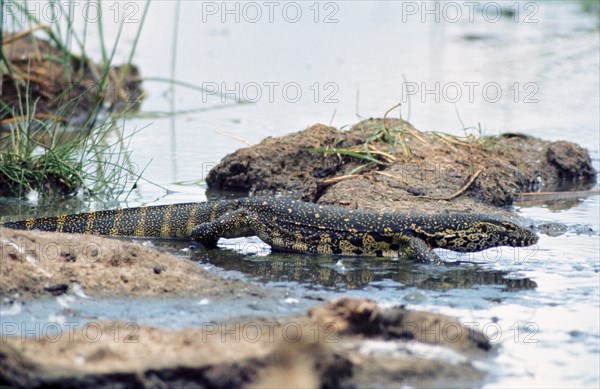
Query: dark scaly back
[455,231]
[322,217]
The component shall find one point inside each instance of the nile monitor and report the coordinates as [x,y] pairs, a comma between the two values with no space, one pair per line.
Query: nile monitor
[290,225]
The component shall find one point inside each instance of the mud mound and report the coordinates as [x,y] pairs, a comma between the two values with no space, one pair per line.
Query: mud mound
[284,165]
[36,264]
[403,168]
[364,317]
[64,86]
[290,352]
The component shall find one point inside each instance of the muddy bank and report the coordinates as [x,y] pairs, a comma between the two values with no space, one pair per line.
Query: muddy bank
[347,343]
[35,264]
[65,87]
[394,167]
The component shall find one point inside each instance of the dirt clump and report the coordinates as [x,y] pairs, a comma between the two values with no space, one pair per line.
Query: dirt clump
[36,264]
[312,351]
[567,158]
[284,165]
[392,166]
[365,317]
[65,87]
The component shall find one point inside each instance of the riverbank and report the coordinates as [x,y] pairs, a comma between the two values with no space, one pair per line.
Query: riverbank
[388,165]
[347,343]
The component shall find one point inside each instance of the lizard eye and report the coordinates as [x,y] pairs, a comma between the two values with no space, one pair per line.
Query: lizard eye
[509,226]
[484,228]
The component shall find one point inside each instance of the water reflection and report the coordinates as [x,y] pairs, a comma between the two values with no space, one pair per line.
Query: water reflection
[16,209]
[568,196]
[353,273]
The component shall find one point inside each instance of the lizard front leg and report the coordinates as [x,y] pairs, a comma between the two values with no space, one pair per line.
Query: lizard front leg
[233,224]
[422,252]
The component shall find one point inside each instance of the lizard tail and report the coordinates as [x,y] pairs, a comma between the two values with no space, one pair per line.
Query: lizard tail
[102,222]
[165,221]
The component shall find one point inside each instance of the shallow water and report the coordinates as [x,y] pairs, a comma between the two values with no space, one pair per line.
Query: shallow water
[541,305]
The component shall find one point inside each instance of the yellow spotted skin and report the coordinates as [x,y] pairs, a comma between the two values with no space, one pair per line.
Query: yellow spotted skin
[291,225]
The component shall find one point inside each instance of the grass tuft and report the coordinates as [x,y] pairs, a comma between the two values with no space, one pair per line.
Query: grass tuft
[388,141]
[61,115]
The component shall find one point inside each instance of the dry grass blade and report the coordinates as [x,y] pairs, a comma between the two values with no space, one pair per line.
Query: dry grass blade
[374,150]
[24,77]
[459,192]
[19,35]
[234,137]
[391,176]
[451,139]
[413,131]
[40,116]
[443,139]
[466,141]
[385,116]
[122,96]
[334,180]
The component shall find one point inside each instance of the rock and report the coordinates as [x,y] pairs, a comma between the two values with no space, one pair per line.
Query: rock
[363,317]
[552,229]
[572,161]
[409,165]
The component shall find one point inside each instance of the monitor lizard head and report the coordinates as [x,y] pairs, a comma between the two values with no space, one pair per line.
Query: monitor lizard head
[469,233]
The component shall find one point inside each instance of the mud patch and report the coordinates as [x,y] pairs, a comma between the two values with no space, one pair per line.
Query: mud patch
[405,170]
[347,343]
[36,264]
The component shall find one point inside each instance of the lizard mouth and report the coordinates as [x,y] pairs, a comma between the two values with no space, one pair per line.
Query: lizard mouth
[531,238]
